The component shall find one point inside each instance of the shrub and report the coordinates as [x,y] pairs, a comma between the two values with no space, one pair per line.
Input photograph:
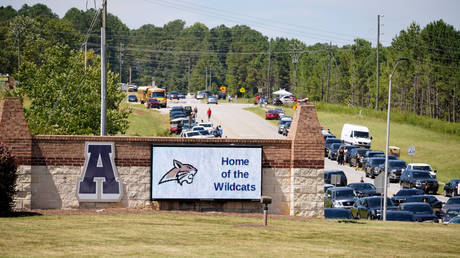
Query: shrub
[8,175]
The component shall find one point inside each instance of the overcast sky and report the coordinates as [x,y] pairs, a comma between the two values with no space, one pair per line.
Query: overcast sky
[311,21]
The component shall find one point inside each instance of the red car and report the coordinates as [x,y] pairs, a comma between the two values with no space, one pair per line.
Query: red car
[271,114]
[153,103]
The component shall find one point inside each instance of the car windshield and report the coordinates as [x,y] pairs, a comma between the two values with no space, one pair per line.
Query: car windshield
[204,132]
[377,161]
[335,146]
[453,201]
[360,134]
[418,209]
[333,140]
[198,128]
[344,194]
[206,125]
[160,94]
[397,164]
[377,202]
[364,186]
[421,175]
[426,168]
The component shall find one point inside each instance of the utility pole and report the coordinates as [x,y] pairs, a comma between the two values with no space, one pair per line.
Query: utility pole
[103,70]
[210,77]
[268,71]
[120,51]
[188,79]
[328,72]
[85,54]
[206,80]
[378,64]
[294,61]
[129,75]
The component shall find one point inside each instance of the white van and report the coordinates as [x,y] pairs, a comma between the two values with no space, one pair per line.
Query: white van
[356,135]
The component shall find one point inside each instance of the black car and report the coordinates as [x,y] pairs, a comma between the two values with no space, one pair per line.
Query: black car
[354,158]
[422,211]
[430,199]
[419,179]
[174,95]
[452,188]
[328,175]
[370,207]
[369,154]
[286,128]
[371,165]
[402,195]
[453,202]
[327,145]
[398,215]
[337,213]
[395,168]
[333,151]
[450,214]
[363,189]
[339,197]
[132,98]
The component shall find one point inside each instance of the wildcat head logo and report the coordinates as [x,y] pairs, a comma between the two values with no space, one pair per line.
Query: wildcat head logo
[180,173]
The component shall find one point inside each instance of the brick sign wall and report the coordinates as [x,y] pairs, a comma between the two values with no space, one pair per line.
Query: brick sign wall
[50,166]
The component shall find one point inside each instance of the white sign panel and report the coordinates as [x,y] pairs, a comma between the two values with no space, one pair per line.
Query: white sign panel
[205,172]
[411,150]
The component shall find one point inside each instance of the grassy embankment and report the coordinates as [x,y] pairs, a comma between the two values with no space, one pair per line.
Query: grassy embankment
[437,142]
[147,122]
[219,236]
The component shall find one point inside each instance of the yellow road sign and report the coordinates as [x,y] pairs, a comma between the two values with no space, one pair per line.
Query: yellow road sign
[295,106]
[222,88]
[242,90]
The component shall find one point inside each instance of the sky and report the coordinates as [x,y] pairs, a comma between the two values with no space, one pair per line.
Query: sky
[311,21]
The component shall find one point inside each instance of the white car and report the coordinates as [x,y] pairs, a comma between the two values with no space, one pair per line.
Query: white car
[287,99]
[422,166]
[208,126]
[190,134]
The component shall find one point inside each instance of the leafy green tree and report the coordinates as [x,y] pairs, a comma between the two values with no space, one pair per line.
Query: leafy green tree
[65,98]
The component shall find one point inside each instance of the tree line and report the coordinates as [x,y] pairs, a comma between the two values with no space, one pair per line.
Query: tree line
[195,57]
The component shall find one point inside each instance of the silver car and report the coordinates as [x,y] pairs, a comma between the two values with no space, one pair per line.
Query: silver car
[212,100]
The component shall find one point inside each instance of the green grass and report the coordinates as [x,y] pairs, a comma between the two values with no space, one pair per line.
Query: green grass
[441,150]
[147,122]
[220,236]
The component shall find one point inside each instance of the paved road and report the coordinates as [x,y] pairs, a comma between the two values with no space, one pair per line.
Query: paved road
[235,121]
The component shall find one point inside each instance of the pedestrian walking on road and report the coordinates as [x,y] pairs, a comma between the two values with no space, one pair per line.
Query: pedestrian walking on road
[209,114]
[340,156]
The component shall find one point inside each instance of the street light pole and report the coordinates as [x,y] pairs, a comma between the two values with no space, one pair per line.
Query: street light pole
[388,140]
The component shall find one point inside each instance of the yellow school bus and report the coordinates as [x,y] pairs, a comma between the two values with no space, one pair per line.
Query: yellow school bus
[142,93]
[159,94]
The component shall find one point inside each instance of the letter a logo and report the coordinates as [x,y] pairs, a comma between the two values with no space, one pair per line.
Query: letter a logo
[99,181]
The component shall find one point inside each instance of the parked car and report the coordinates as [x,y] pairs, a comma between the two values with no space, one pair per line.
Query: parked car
[280,111]
[282,122]
[287,99]
[337,213]
[354,156]
[450,214]
[206,134]
[339,197]
[395,168]
[419,179]
[327,186]
[435,204]
[176,108]
[348,149]
[190,134]
[422,211]
[212,100]
[153,103]
[372,165]
[328,143]
[198,128]
[422,166]
[369,154]
[370,207]
[453,202]
[271,114]
[174,95]
[328,175]
[452,188]
[356,135]
[455,220]
[132,98]
[397,215]
[363,189]
[402,195]
[208,126]
[333,150]
[286,128]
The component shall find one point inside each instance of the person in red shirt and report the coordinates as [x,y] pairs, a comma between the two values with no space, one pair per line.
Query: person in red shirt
[209,113]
